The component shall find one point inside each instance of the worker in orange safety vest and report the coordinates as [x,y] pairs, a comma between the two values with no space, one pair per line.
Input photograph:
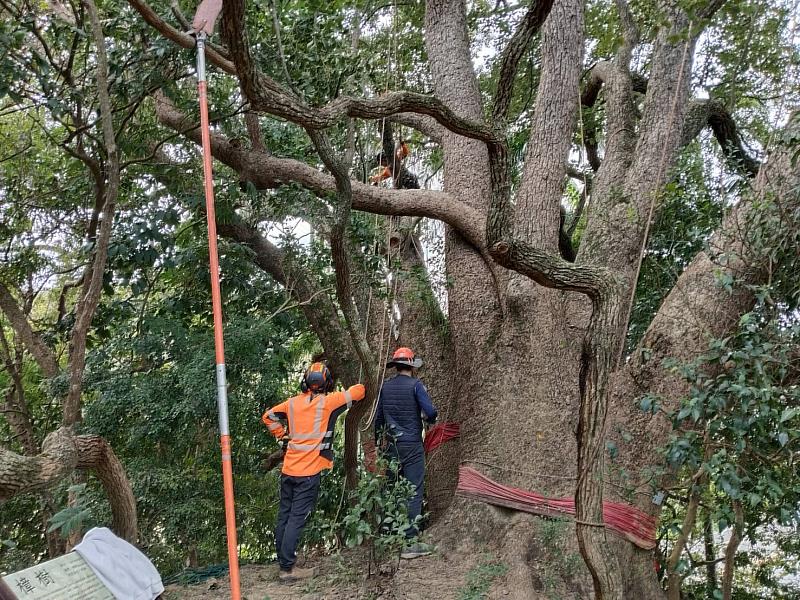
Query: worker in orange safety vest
[307,420]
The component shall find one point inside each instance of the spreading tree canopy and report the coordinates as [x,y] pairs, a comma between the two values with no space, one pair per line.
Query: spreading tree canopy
[591,243]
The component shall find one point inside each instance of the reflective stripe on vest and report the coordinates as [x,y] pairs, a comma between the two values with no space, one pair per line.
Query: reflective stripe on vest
[303,447]
[316,433]
[318,415]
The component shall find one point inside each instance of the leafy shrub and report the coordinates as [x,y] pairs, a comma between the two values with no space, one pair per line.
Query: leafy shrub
[378,515]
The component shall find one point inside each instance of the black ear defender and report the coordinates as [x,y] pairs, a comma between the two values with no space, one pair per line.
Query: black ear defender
[317,378]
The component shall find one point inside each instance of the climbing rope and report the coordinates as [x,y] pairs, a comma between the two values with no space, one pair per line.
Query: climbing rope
[659,178]
[193,576]
[392,287]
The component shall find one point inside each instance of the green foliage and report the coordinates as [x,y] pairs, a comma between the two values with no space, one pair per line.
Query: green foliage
[739,425]
[21,541]
[153,398]
[149,386]
[72,518]
[480,578]
[378,515]
[690,210]
[750,409]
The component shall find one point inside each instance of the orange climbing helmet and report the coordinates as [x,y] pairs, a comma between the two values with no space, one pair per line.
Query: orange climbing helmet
[405,357]
[317,378]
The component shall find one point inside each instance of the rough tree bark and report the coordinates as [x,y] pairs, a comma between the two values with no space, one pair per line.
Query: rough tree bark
[63,453]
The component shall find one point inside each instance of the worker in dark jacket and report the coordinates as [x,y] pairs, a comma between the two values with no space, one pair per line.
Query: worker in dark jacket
[402,402]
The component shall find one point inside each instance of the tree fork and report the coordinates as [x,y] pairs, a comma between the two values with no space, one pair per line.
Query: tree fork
[599,357]
[62,453]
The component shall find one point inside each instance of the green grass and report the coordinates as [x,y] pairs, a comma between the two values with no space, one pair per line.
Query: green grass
[480,579]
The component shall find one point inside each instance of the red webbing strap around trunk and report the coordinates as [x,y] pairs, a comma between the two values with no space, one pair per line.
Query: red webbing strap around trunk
[625,520]
[439,434]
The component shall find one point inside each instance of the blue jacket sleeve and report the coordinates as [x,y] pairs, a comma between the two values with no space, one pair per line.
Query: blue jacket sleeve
[380,422]
[424,403]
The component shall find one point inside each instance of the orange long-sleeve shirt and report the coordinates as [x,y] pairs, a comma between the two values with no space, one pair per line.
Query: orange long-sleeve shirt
[309,420]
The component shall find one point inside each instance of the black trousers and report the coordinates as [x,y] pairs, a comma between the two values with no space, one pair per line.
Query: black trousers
[298,497]
[411,459]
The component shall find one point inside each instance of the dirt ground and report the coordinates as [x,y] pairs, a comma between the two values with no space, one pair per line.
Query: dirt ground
[343,577]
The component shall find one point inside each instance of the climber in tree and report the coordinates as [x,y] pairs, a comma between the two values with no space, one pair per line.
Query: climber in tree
[406,180]
[400,153]
[395,167]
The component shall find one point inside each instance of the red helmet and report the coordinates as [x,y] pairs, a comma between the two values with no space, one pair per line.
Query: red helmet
[405,357]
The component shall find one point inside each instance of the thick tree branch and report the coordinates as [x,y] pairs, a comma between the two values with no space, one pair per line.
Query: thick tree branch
[267,171]
[266,95]
[516,48]
[425,125]
[254,131]
[42,354]
[538,198]
[271,460]
[699,309]
[311,298]
[604,72]
[700,114]
[551,270]
[712,113]
[62,453]
[184,40]
[630,33]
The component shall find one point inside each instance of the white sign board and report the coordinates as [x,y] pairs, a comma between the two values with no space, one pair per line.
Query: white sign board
[67,577]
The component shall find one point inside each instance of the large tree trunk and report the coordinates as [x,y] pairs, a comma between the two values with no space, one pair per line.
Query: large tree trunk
[518,415]
[514,398]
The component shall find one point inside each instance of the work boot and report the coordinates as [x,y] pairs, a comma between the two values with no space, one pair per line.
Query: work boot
[296,574]
[415,551]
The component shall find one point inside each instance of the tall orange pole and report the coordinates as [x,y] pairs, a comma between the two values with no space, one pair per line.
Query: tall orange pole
[219,346]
